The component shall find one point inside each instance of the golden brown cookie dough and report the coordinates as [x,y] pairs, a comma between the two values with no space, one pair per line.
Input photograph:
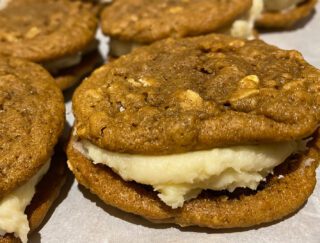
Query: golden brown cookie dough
[46,31]
[145,21]
[286,19]
[283,194]
[31,121]
[32,116]
[198,93]
[47,192]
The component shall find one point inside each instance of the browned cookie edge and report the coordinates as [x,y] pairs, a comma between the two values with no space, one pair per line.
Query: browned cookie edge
[282,20]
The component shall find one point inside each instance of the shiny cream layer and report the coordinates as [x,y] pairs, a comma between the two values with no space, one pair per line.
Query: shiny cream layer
[12,207]
[57,65]
[281,5]
[180,177]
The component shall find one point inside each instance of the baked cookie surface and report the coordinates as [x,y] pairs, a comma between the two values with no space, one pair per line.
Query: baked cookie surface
[146,21]
[45,30]
[198,93]
[288,18]
[31,120]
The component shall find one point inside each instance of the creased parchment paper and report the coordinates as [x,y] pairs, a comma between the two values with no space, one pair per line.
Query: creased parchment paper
[81,217]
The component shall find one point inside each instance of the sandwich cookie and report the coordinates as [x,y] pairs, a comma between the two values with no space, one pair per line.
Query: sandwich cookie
[31,121]
[57,34]
[285,13]
[211,131]
[68,77]
[132,23]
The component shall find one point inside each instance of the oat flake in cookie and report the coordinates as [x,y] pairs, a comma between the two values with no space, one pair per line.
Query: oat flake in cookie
[132,23]
[197,131]
[31,121]
[58,34]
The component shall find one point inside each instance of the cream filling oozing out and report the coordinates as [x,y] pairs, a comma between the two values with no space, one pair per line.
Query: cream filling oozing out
[57,65]
[12,207]
[3,4]
[281,5]
[181,177]
[242,28]
[120,47]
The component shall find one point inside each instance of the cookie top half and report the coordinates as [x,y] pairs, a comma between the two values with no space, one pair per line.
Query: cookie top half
[31,120]
[145,21]
[198,93]
[45,30]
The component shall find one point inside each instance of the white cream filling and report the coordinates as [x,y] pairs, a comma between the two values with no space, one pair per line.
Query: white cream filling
[119,48]
[12,207]
[3,4]
[180,177]
[56,65]
[281,5]
[242,28]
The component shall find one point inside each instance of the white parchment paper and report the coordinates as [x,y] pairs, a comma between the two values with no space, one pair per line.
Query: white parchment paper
[79,216]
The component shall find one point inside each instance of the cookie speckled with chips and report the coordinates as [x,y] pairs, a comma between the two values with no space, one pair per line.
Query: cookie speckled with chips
[31,121]
[212,131]
[55,33]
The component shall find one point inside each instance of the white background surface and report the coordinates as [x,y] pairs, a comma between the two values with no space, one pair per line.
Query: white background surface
[79,216]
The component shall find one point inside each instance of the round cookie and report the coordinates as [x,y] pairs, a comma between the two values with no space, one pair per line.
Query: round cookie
[190,94]
[283,194]
[145,21]
[198,93]
[31,116]
[50,31]
[286,19]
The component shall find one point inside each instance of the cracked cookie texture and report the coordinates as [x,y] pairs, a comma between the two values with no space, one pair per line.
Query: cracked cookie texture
[198,93]
[31,121]
[42,31]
